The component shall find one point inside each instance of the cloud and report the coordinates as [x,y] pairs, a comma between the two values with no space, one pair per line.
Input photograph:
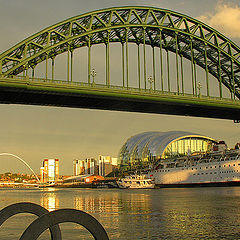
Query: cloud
[225,19]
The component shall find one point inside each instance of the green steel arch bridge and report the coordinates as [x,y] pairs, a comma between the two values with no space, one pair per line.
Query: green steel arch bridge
[152,60]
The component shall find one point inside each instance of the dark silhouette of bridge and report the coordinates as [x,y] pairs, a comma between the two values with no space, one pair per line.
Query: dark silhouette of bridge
[155,61]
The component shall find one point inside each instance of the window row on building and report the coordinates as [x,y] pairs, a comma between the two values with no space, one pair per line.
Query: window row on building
[206,173]
[200,168]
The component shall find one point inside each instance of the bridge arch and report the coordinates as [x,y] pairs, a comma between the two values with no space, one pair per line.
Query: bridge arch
[24,162]
[167,30]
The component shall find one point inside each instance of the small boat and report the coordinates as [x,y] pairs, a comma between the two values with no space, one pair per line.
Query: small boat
[135,182]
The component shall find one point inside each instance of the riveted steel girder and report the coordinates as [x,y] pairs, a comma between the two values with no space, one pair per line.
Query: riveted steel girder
[180,34]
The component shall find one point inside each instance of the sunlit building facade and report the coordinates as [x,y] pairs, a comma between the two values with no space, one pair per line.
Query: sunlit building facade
[102,166]
[50,171]
[147,148]
[86,166]
[106,164]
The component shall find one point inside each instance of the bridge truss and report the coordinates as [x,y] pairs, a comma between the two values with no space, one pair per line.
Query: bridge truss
[165,31]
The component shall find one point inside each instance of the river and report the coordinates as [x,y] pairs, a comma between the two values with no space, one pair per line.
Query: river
[187,213]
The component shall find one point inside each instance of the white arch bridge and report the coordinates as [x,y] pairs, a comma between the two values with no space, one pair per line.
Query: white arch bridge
[24,162]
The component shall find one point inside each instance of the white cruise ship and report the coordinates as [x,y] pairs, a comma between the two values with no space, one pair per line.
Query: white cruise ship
[220,167]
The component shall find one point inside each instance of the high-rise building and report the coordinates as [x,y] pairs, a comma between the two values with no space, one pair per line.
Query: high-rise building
[78,167]
[106,164]
[91,166]
[50,171]
[85,167]
[42,174]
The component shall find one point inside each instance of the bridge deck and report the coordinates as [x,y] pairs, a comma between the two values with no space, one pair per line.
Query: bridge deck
[37,91]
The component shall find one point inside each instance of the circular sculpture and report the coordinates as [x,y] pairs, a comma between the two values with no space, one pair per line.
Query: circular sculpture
[27,207]
[37,227]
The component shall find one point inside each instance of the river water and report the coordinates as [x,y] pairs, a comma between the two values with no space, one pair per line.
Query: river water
[188,213]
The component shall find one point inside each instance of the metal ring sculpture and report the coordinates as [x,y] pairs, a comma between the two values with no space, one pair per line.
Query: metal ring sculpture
[27,207]
[169,30]
[64,215]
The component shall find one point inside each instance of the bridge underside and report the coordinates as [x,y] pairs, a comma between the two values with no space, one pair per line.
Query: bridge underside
[110,100]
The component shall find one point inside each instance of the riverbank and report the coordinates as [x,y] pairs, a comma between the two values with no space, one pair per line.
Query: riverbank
[109,183]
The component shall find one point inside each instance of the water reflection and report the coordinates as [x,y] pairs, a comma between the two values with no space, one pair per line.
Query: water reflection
[50,200]
[113,203]
[119,211]
[196,213]
[97,205]
[201,213]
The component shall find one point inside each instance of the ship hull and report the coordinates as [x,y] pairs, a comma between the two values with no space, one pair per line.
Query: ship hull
[195,185]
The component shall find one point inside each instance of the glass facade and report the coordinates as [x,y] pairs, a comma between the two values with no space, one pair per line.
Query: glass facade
[187,146]
[144,149]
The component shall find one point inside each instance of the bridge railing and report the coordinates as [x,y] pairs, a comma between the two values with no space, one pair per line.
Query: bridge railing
[141,91]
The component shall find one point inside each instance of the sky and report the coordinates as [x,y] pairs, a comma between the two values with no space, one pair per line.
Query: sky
[36,132]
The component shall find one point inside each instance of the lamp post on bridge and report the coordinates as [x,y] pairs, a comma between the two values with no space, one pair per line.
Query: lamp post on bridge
[93,74]
[150,80]
[199,86]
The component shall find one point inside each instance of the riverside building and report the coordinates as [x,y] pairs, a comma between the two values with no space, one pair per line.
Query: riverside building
[50,171]
[106,164]
[102,166]
[146,149]
[85,167]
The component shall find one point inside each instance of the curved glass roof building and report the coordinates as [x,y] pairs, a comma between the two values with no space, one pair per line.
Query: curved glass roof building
[146,148]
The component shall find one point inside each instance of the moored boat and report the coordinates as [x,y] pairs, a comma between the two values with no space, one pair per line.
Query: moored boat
[136,182]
